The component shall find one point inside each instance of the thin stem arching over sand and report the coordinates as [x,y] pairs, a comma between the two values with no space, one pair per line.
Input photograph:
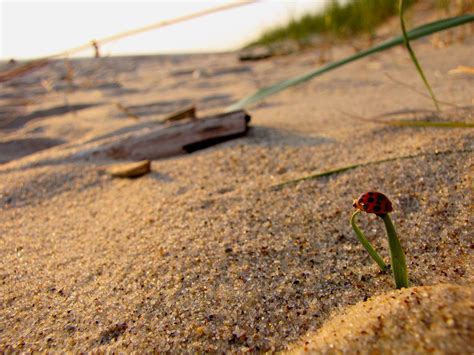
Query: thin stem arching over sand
[406,40]
[411,123]
[363,240]
[399,82]
[354,166]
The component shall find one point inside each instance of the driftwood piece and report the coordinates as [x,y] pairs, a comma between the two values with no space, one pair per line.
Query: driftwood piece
[174,138]
[129,170]
[255,53]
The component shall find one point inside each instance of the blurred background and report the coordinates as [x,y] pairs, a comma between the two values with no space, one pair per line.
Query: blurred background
[40,28]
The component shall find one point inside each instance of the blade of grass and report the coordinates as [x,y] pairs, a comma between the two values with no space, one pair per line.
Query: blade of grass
[411,123]
[429,124]
[365,242]
[397,256]
[354,166]
[418,32]
[418,91]
[406,40]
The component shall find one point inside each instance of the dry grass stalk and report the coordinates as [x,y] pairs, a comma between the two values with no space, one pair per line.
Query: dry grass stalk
[127,111]
[23,69]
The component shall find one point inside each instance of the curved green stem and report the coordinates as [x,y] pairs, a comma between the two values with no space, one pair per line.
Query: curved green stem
[400,272]
[366,243]
[413,56]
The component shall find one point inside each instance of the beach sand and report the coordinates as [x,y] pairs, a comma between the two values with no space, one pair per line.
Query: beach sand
[202,254]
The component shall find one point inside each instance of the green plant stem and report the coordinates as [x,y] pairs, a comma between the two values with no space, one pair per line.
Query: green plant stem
[366,243]
[413,56]
[399,267]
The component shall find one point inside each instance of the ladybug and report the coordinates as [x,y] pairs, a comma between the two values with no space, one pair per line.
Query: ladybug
[373,202]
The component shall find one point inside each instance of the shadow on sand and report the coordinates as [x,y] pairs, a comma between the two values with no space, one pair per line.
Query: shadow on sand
[20,121]
[18,148]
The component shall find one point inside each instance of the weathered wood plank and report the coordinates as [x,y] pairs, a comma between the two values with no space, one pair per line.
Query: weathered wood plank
[174,138]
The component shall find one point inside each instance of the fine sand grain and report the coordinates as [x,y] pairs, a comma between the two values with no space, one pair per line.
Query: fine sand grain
[202,254]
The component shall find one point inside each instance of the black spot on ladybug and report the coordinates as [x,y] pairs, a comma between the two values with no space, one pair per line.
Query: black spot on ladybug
[377,208]
[371,199]
[365,207]
[380,197]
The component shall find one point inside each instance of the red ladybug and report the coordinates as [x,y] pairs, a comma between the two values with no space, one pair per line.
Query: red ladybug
[373,202]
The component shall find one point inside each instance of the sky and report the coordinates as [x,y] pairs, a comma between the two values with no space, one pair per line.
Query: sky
[38,28]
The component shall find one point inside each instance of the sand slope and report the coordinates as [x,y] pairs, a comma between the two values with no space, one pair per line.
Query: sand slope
[416,320]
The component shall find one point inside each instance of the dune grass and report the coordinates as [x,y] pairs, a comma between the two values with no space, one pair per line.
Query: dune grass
[418,32]
[338,19]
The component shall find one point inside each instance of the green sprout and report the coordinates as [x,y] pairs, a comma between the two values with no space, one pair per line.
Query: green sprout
[380,205]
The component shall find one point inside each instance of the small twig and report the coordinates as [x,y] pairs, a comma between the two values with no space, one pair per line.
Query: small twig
[127,111]
[95,45]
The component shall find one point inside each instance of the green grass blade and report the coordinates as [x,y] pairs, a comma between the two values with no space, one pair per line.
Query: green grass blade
[397,256]
[316,176]
[412,123]
[413,56]
[428,124]
[365,242]
[418,32]
[354,166]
